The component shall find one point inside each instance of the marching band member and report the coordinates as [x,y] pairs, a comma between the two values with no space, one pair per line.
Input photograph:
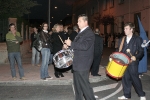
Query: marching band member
[131,76]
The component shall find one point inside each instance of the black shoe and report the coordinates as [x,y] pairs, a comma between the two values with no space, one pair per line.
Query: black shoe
[56,75]
[61,74]
[49,77]
[44,79]
[97,75]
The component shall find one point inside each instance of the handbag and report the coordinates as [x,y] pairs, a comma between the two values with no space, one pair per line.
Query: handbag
[38,44]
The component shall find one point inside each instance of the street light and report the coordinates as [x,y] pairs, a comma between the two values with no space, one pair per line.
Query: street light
[49,13]
[55,7]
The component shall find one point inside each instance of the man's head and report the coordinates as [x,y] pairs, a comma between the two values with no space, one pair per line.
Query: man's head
[129,28]
[35,29]
[12,27]
[82,21]
[75,28]
[96,30]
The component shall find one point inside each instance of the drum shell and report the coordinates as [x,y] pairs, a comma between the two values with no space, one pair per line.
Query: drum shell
[63,58]
[115,69]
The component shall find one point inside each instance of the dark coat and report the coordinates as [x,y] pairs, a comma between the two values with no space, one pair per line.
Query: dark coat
[72,35]
[46,39]
[135,48]
[33,37]
[83,46]
[56,42]
[98,45]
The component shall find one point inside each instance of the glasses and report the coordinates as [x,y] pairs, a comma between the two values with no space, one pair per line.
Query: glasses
[45,26]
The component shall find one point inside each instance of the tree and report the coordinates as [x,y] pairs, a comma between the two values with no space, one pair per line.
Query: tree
[15,8]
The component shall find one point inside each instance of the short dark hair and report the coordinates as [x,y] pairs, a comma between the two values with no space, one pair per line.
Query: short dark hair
[35,27]
[11,24]
[131,25]
[85,17]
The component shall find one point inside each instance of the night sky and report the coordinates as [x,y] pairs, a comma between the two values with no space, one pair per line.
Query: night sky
[64,7]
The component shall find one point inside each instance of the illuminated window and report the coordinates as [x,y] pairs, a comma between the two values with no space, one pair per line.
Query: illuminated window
[105,5]
[111,3]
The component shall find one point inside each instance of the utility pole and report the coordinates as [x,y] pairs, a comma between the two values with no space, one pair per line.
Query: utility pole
[98,14]
[49,2]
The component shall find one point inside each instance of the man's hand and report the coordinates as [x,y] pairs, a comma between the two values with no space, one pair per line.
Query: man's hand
[133,58]
[68,42]
[14,32]
[65,46]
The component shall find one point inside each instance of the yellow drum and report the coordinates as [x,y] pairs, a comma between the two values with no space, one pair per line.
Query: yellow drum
[117,65]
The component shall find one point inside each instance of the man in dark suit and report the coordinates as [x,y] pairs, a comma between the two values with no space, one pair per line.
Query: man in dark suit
[131,75]
[98,48]
[83,46]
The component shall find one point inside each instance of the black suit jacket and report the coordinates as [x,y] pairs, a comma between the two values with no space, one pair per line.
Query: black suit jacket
[135,48]
[98,45]
[83,46]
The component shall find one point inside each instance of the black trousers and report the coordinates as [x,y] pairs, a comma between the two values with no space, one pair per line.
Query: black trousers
[131,77]
[82,85]
[95,65]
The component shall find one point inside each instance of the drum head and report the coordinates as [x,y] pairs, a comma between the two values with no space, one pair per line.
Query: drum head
[120,58]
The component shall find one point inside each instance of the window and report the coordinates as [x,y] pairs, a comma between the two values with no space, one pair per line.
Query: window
[111,3]
[121,1]
[105,5]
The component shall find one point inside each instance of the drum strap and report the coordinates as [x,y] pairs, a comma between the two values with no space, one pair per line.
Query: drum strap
[121,45]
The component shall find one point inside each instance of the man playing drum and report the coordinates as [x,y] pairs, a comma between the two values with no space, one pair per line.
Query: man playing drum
[132,48]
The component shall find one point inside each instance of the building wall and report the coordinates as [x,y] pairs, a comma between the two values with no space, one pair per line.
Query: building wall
[122,12]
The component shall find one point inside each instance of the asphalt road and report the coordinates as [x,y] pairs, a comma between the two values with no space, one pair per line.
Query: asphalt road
[105,90]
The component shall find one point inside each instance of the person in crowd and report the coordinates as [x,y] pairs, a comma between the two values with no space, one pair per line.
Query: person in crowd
[45,52]
[98,48]
[35,52]
[116,42]
[13,40]
[110,39]
[70,33]
[75,28]
[62,32]
[83,46]
[57,46]
[131,75]
[65,35]
[51,55]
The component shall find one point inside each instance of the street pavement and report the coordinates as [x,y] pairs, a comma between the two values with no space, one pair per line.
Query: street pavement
[62,88]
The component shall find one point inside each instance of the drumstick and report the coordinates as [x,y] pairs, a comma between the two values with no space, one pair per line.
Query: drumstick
[61,39]
[128,51]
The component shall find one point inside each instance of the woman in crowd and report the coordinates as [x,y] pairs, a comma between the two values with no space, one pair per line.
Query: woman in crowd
[45,52]
[57,46]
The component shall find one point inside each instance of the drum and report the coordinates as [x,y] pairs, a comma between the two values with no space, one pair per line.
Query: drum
[63,58]
[117,65]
